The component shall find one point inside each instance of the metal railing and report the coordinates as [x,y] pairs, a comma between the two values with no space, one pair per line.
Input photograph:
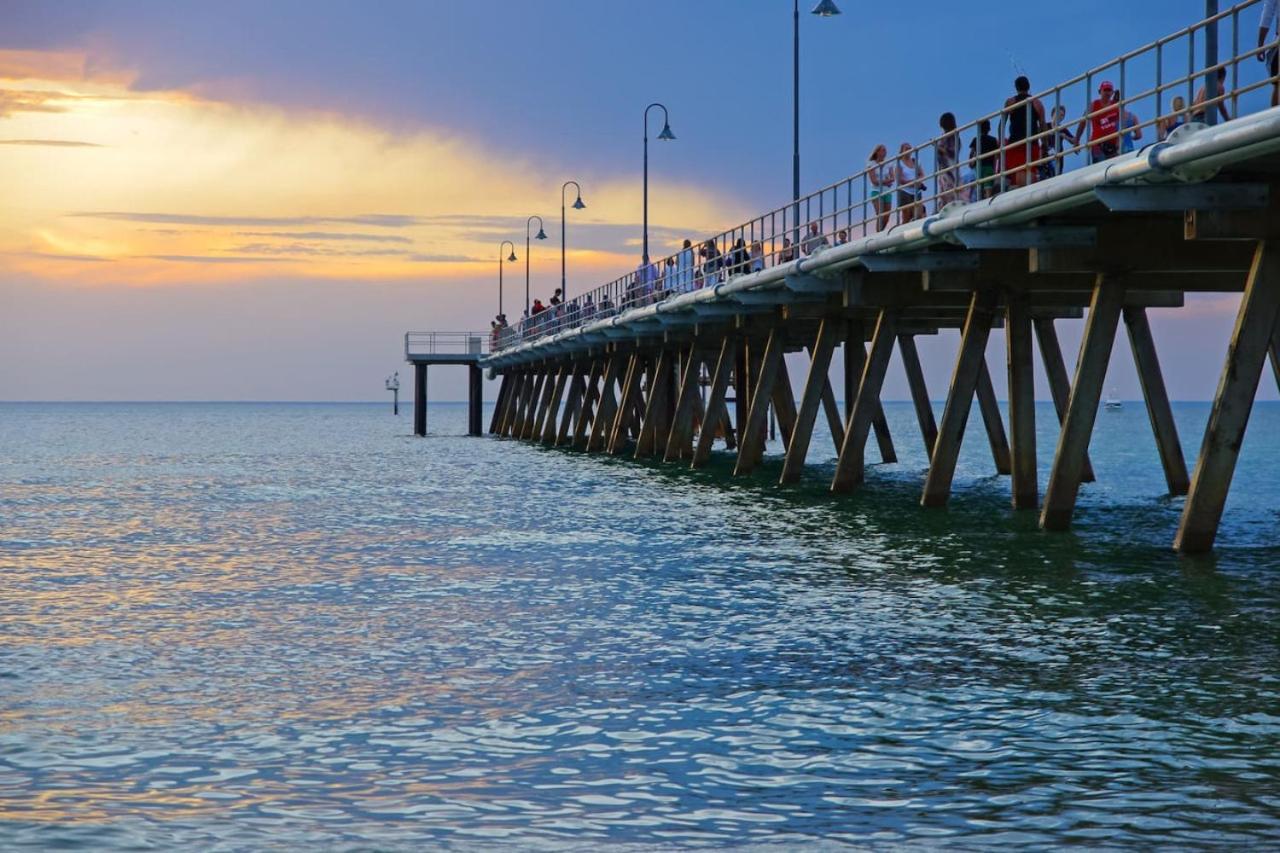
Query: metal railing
[1165,80]
[448,343]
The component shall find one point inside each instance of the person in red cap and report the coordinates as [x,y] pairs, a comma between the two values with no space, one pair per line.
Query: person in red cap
[1104,124]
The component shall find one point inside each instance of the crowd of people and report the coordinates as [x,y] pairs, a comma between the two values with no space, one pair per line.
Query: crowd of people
[1030,144]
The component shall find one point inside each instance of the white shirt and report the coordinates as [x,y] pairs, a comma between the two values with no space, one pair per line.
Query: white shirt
[1269,11]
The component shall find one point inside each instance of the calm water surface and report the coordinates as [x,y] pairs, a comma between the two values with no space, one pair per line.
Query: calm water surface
[263,626]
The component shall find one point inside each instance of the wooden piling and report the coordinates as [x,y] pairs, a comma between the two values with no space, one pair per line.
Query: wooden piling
[919,391]
[475,401]
[548,431]
[1055,369]
[752,438]
[1022,401]
[606,409]
[630,391]
[533,432]
[1159,411]
[1254,334]
[686,397]
[654,411]
[970,362]
[504,388]
[993,421]
[420,399]
[1082,410]
[716,408]
[850,465]
[816,383]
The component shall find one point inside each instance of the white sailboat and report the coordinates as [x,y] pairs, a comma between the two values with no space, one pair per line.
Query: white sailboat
[1112,401]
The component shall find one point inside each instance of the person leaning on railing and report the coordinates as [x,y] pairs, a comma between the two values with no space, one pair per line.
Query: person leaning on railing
[880,192]
[1023,117]
[1103,122]
[1202,96]
[946,154]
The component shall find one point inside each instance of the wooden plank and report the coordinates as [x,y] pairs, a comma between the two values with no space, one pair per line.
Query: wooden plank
[682,422]
[650,424]
[1254,334]
[970,362]
[1082,410]
[752,438]
[716,409]
[993,421]
[1022,402]
[1159,411]
[607,408]
[816,383]
[850,465]
[567,370]
[630,390]
[1055,367]
[919,391]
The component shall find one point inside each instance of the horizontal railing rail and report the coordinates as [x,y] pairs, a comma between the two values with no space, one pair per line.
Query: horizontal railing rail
[1030,138]
[448,343]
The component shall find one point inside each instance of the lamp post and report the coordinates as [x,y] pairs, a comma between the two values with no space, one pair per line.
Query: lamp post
[577,205]
[824,9]
[503,244]
[666,136]
[542,235]
[1212,105]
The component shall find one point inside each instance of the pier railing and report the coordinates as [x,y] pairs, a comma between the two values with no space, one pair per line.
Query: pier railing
[1156,88]
[447,343]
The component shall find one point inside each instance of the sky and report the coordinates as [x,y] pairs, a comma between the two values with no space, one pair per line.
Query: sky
[254,201]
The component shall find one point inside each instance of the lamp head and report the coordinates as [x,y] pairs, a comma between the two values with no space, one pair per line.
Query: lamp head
[578,205]
[826,9]
[541,235]
[512,257]
[666,132]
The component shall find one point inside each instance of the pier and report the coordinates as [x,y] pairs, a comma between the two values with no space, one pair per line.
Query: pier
[1043,232]
[426,349]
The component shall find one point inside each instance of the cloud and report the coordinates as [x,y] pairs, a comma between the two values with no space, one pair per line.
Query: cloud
[376,220]
[307,250]
[208,259]
[445,259]
[327,235]
[14,101]
[51,143]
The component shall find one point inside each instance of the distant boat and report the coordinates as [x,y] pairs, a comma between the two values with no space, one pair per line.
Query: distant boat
[1113,402]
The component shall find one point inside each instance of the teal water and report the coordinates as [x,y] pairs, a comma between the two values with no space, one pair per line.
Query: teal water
[266,626]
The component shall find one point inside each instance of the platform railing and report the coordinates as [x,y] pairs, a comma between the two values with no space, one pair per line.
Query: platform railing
[448,343]
[1067,125]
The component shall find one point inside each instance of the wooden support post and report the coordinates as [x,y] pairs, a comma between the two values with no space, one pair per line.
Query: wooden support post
[507,423]
[532,396]
[970,362]
[533,432]
[1055,367]
[919,391]
[503,390]
[548,431]
[1158,409]
[504,406]
[655,408]
[590,403]
[1275,356]
[607,408]
[630,391]
[1256,325]
[993,421]
[420,399]
[1022,401]
[884,440]
[850,466]
[835,424]
[475,402]
[784,403]
[574,410]
[741,389]
[716,409]
[1082,410]
[855,361]
[752,436]
[682,423]
[816,383]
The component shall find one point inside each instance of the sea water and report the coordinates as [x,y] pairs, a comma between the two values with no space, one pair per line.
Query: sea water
[269,626]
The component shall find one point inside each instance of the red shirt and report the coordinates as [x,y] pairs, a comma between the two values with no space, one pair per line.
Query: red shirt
[1105,120]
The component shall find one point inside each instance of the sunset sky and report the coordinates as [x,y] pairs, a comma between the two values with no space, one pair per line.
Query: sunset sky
[255,200]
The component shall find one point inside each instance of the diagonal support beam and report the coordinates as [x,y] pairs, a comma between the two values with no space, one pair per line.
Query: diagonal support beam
[970,363]
[510,403]
[1082,410]
[499,404]
[919,391]
[533,432]
[816,386]
[548,433]
[851,464]
[654,414]
[855,360]
[1159,411]
[1254,334]
[525,425]
[994,422]
[1055,367]
[606,410]
[752,438]
[716,408]
[784,403]
[587,408]
[835,423]
[630,393]
[686,399]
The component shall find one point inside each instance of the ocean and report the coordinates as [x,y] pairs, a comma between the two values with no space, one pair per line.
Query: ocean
[264,626]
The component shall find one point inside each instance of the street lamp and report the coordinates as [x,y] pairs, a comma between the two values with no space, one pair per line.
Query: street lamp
[1212,105]
[512,259]
[666,136]
[542,235]
[577,205]
[825,9]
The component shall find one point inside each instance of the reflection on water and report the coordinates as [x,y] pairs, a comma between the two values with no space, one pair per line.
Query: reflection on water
[231,626]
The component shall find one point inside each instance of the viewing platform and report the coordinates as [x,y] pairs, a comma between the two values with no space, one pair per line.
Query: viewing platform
[425,349]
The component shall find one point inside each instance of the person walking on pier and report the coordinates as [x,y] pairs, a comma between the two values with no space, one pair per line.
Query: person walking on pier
[1131,130]
[1174,120]
[738,258]
[1057,145]
[684,268]
[984,151]
[814,240]
[710,263]
[880,192]
[1202,97]
[757,256]
[1023,117]
[1103,121]
[946,161]
[910,179]
[1270,56]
